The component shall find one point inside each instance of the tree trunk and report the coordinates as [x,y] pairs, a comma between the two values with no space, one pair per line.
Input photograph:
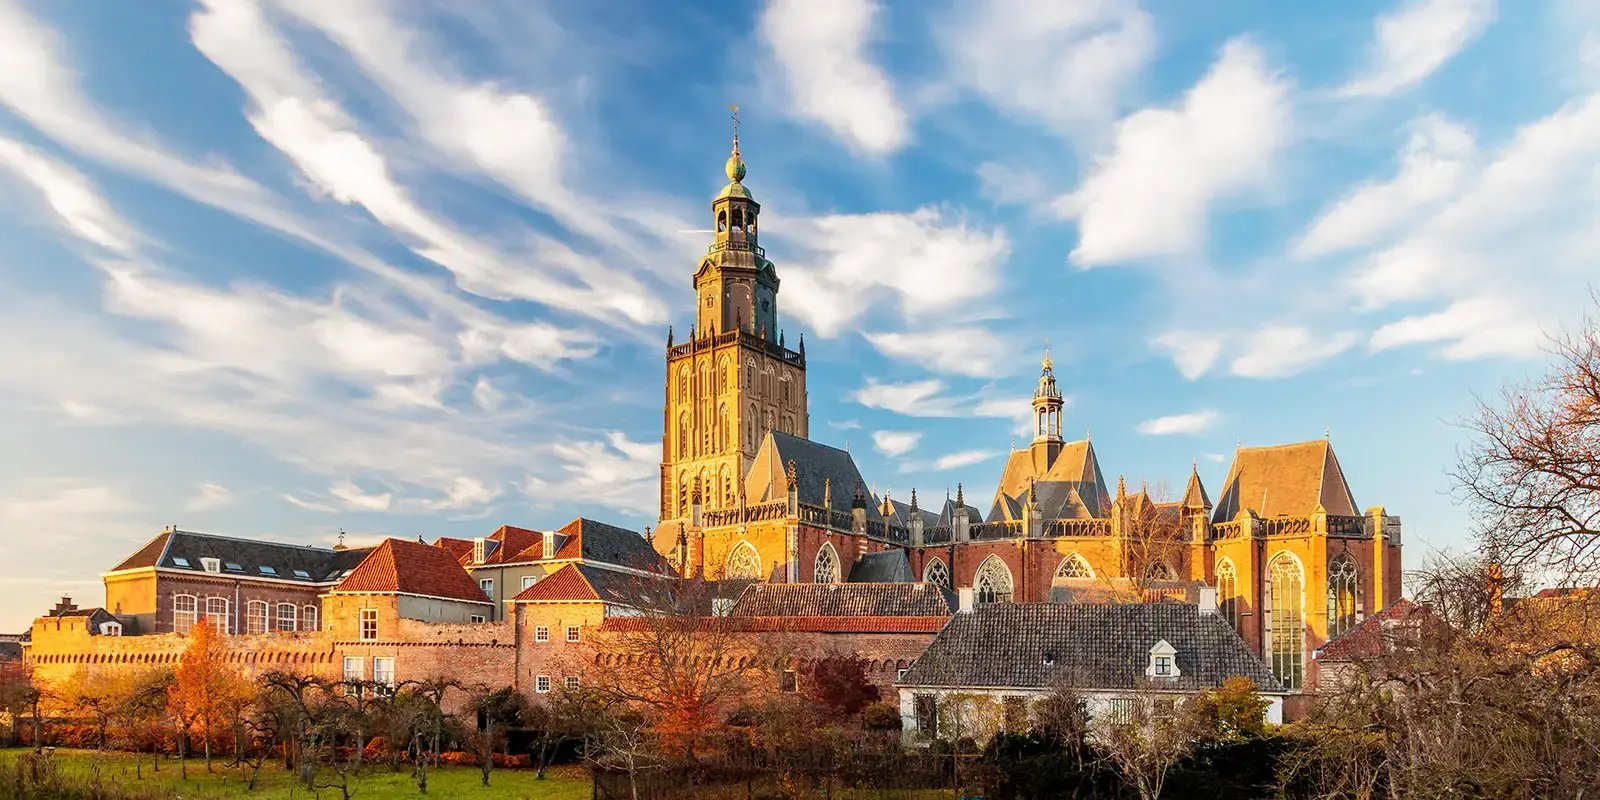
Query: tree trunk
[38,728]
[207,729]
[183,753]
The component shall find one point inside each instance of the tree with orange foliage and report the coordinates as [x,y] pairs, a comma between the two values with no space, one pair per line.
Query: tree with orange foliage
[204,690]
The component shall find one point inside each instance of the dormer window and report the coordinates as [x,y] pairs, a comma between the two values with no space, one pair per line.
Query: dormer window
[211,564]
[110,629]
[1163,661]
[479,548]
[549,544]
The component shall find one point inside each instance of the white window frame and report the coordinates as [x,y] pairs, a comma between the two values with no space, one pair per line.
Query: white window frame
[257,614]
[574,633]
[571,682]
[110,629]
[476,619]
[368,615]
[212,565]
[541,684]
[383,670]
[293,618]
[487,585]
[222,622]
[183,620]
[308,618]
[541,633]
[528,581]
[357,674]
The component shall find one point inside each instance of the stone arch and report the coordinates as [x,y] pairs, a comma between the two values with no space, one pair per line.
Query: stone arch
[825,569]
[992,582]
[1344,594]
[1074,566]
[1284,631]
[936,572]
[744,563]
[1228,590]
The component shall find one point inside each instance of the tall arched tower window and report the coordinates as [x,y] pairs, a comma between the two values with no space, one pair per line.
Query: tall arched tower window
[1344,587]
[826,568]
[992,584]
[936,573]
[1286,624]
[1228,591]
[744,564]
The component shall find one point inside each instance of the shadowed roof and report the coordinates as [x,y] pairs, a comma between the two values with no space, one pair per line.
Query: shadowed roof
[885,566]
[577,582]
[405,567]
[184,550]
[822,472]
[1285,480]
[844,600]
[1086,645]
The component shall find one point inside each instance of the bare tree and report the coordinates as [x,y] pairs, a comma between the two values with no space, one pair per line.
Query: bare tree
[1533,472]
[1145,736]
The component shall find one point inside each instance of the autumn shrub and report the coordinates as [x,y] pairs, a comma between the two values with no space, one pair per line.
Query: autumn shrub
[881,717]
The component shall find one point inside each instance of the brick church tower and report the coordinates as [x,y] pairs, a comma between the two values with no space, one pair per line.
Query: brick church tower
[734,379]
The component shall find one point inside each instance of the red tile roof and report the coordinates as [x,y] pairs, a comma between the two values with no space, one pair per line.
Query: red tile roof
[402,566]
[1366,640]
[589,582]
[800,624]
[566,583]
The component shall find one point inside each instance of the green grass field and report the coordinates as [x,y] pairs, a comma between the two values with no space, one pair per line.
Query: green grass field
[118,772]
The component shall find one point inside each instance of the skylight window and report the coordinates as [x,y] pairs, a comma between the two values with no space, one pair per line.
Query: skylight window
[232,567]
[265,570]
[302,574]
[179,561]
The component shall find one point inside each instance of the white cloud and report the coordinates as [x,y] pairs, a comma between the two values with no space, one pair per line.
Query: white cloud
[1150,196]
[76,204]
[930,398]
[52,504]
[1474,327]
[928,261]
[895,443]
[1280,350]
[1434,165]
[1193,422]
[1068,64]
[354,497]
[966,350]
[1193,353]
[209,496]
[616,472]
[957,460]
[820,49]
[1417,39]
[463,492]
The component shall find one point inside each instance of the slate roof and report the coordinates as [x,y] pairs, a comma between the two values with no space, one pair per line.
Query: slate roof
[97,617]
[886,566]
[1285,480]
[899,514]
[1085,645]
[816,466]
[1194,495]
[319,564]
[586,582]
[407,567]
[591,540]
[1367,639]
[844,600]
[1071,487]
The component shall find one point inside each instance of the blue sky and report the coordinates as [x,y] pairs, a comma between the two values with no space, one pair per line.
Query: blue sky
[280,267]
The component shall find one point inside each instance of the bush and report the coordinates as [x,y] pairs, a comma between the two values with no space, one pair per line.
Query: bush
[881,717]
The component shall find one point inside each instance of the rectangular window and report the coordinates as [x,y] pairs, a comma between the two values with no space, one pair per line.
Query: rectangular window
[1163,666]
[541,633]
[383,671]
[308,619]
[1121,709]
[541,684]
[487,585]
[926,707]
[286,616]
[369,624]
[475,618]
[269,571]
[255,617]
[528,581]
[572,634]
[788,681]
[217,614]
[211,564]
[184,613]
[352,668]
[900,675]
[572,681]
[180,561]
[302,575]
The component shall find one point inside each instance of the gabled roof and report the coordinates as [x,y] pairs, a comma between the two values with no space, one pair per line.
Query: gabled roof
[591,540]
[886,566]
[820,471]
[1285,480]
[401,566]
[1194,495]
[505,546]
[578,582]
[899,513]
[1367,640]
[844,600]
[292,562]
[1070,487]
[1088,646]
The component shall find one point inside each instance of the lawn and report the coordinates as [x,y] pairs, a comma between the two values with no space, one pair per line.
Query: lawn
[378,783]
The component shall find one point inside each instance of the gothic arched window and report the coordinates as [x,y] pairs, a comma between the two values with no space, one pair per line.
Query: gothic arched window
[683,435]
[993,581]
[1228,591]
[826,568]
[724,429]
[744,564]
[1344,586]
[722,221]
[1074,566]
[1285,629]
[728,500]
[1159,571]
[936,573]
[683,495]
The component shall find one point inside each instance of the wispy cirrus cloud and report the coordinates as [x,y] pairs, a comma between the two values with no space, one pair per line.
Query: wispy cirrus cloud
[932,398]
[956,460]
[820,48]
[1177,424]
[1415,40]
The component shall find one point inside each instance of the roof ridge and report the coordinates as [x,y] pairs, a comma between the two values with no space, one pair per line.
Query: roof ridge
[253,541]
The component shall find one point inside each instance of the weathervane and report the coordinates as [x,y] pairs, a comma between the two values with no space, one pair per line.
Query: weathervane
[734,113]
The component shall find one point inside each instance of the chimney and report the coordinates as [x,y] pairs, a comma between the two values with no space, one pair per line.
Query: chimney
[1497,588]
[964,595]
[1207,600]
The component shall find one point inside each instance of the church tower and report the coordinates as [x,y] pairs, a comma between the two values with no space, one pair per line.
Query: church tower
[1046,418]
[734,379]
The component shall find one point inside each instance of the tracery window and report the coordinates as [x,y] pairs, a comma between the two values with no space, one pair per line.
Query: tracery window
[1285,617]
[936,573]
[255,616]
[826,568]
[744,564]
[1159,571]
[993,581]
[1228,591]
[1343,595]
[1074,566]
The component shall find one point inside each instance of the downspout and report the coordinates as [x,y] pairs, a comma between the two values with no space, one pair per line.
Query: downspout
[236,627]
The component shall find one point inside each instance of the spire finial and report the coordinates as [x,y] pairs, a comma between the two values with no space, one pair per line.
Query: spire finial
[1047,364]
[735,165]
